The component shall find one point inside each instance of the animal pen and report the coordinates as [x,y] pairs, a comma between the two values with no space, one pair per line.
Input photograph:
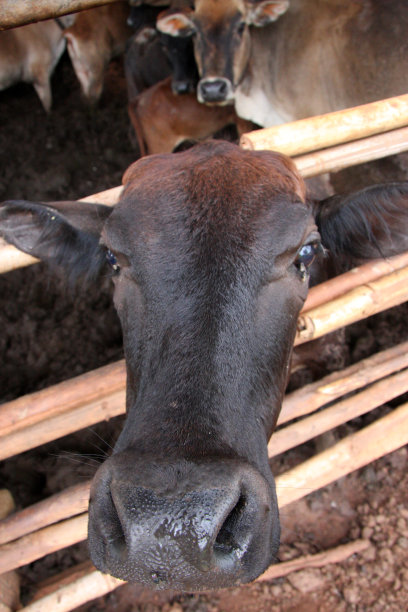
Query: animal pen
[322,144]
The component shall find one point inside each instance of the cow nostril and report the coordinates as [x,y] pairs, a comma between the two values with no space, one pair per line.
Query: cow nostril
[116,540]
[227,540]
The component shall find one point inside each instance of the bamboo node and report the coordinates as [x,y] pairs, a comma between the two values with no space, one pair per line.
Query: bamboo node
[305,328]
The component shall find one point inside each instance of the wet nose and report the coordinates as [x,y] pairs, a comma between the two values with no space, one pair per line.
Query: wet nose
[191,535]
[214,90]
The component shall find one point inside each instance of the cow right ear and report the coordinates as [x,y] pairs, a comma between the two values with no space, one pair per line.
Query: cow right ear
[261,14]
[63,234]
[176,22]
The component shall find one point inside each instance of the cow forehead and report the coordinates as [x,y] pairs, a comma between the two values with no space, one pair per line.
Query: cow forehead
[214,185]
[216,10]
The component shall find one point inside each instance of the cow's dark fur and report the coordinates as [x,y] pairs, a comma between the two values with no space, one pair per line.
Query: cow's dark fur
[211,245]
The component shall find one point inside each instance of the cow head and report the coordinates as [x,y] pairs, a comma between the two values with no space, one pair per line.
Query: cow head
[221,40]
[210,252]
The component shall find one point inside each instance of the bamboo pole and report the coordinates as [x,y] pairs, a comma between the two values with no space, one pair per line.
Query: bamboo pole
[350,154]
[309,398]
[62,424]
[58,507]
[322,131]
[11,258]
[339,285]
[15,13]
[299,403]
[350,408]
[43,542]
[108,197]
[76,593]
[333,555]
[385,435]
[41,405]
[9,582]
[381,437]
[360,303]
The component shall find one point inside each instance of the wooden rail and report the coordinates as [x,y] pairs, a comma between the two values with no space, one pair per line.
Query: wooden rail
[343,156]
[322,131]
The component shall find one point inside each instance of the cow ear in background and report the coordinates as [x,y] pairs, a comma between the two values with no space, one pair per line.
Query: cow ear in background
[64,234]
[176,23]
[261,14]
[367,224]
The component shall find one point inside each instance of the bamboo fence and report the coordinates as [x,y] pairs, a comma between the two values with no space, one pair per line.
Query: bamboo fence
[61,520]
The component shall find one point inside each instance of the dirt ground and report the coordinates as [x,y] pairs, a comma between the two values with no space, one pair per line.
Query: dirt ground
[49,334]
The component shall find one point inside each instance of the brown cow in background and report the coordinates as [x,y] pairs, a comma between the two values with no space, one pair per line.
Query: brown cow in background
[281,60]
[29,54]
[97,35]
[163,120]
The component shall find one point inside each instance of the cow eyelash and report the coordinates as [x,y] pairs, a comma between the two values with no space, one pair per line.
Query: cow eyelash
[306,256]
[113,262]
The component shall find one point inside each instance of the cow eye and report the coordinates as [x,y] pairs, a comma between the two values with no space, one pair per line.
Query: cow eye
[241,28]
[113,262]
[306,256]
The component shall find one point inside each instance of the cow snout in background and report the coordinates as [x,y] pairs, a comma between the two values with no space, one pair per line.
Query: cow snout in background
[215,91]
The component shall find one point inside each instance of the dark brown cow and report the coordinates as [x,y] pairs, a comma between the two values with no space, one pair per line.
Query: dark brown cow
[319,56]
[211,252]
[97,35]
[151,57]
[29,54]
[163,120]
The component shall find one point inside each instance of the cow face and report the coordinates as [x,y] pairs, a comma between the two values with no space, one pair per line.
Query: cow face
[194,295]
[221,40]
[210,252]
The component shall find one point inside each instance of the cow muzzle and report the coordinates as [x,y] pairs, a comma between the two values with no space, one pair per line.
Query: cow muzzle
[182,525]
[215,90]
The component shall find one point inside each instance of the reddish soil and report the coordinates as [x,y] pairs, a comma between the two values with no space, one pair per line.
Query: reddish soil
[49,334]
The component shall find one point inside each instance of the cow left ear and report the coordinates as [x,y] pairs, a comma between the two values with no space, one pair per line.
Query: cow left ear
[367,224]
[63,234]
[261,14]
[176,22]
